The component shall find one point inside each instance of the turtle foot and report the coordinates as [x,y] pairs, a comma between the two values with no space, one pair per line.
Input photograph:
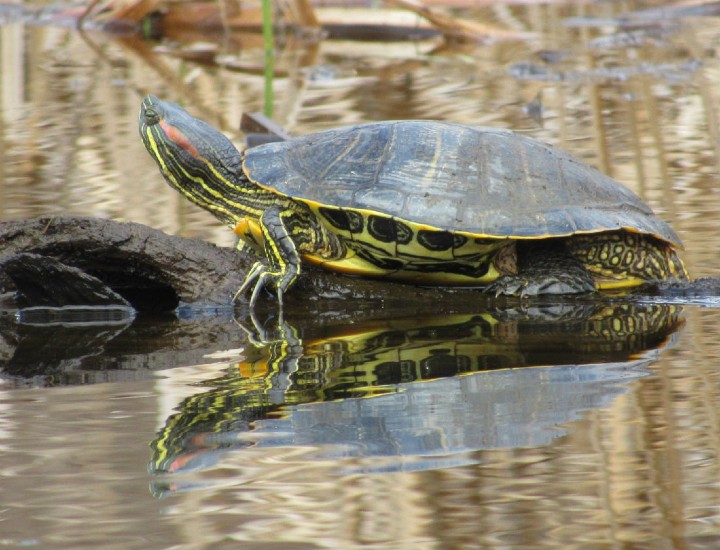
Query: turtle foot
[546,284]
[546,269]
[261,276]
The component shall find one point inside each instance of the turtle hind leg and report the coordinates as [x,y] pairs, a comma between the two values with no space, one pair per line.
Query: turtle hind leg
[623,258]
[544,268]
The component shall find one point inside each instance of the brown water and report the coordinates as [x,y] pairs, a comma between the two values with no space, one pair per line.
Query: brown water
[615,446]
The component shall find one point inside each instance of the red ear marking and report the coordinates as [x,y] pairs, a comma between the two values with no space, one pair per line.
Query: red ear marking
[179,139]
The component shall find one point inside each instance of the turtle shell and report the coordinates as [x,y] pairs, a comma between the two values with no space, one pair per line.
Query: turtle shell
[482,181]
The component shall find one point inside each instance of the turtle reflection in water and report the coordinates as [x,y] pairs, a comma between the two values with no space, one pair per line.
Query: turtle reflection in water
[379,358]
[419,201]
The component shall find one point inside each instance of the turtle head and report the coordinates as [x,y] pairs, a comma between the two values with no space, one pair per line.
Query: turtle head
[195,158]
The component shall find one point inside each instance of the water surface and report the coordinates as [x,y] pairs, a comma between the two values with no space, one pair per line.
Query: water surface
[391,432]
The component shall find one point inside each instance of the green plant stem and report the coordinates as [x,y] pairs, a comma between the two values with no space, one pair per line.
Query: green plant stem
[268,41]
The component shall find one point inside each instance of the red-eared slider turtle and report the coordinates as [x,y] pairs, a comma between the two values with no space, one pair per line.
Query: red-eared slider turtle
[420,201]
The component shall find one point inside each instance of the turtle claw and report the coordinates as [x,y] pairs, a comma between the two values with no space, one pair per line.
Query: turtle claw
[256,272]
[261,277]
[508,285]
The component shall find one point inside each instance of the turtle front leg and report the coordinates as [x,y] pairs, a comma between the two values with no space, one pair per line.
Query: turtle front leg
[544,269]
[282,256]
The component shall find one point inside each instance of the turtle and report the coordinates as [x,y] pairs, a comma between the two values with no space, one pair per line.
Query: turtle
[419,201]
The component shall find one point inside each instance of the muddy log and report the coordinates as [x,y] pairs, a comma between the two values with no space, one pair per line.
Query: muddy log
[145,267]
[62,261]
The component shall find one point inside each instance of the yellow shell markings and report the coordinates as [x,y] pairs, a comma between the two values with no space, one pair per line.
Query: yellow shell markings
[432,169]
[410,254]
[339,158]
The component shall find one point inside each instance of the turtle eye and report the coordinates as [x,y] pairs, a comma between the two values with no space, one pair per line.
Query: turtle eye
[151,116]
